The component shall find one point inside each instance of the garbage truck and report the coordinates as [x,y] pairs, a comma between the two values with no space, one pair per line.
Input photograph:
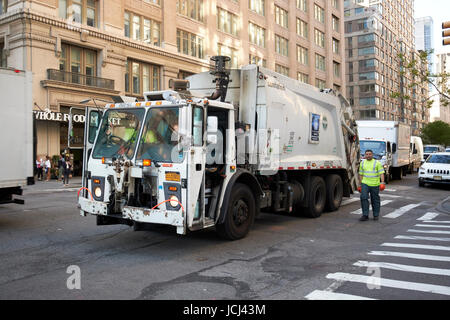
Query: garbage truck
[16,132]
[216,150]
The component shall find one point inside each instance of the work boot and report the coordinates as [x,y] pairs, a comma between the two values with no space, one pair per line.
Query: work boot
[364,218]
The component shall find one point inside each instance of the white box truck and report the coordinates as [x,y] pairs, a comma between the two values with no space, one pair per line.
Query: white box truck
[416,153]
[271,143]
[16,132]
[390,143]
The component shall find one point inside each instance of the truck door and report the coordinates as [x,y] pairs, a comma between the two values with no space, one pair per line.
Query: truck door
[91,125]
[196,168]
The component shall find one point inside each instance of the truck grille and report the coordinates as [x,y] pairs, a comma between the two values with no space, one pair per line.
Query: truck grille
[438,171]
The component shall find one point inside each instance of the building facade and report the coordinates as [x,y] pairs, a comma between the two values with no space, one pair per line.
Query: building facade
[94,49]
[441,112]
[376,32]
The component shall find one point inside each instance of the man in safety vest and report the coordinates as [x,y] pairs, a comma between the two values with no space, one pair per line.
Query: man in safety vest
[370,173]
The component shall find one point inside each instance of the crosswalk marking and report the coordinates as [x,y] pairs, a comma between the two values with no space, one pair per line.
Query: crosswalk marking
[348,201]
[415,286]
[428,216]
[399,212]
[383,203]
[422,238]
[436,221]
[429,231]
[409,255]
[390,196]
[402,267]
[431,226]
[329,295]
[415,246]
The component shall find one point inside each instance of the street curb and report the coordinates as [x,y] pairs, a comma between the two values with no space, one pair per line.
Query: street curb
[440,206]
[69,189]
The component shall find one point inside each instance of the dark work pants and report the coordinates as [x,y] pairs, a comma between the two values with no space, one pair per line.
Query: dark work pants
[374,198]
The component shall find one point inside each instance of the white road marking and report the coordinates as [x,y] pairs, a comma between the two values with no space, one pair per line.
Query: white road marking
[390,190]
[409,255]
[348,201]
[436,221]
[383,203]
[421,238]
[399,212]
[328,295]
[415,286]
[415,246]
[403,267]
[429,231]
[428,216]
[431,226]
[390,196]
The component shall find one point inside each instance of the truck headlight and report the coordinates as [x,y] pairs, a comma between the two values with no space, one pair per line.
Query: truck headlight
[173,201]
[98,192]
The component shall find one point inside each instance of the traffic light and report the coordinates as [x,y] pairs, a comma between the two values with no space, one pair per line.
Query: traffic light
[446,33]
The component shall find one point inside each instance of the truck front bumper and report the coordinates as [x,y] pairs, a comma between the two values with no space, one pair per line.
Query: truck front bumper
[142,215]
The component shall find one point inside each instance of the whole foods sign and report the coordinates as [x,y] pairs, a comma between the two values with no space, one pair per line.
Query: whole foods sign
[58,116]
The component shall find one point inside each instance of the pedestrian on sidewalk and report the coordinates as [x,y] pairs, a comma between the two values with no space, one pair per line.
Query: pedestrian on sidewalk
[370,173]
[60,168]
[39,168]
[67,169]
[48,166]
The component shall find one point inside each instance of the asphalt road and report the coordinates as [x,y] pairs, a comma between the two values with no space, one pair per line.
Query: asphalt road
[283,257]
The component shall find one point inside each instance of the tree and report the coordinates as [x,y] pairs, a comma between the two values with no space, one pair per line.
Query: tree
[415,67]
[437,132]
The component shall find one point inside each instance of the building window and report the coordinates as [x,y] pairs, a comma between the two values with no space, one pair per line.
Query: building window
[335,4]
[335,46]
[257,6]
[282,70]
[281,17]
[79,11]
[191,8]
[190,44]
[223,50]
[302,28]
[302,5]
[336,69]
[302,55]
[257,35]
[281,45]
[319,13]
[3,6]
[321,84]
[257,60]
[368,76]
[227,22]
[302,77]
[153,1]
[3,62]
[366,51]
[141,77]
[78,60]
[319,38]
[320,62]
[141,28]
[335,23]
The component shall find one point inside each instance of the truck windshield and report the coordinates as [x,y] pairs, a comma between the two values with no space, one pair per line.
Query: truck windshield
[159,138]
[430,149]
[378,148]
[119,133]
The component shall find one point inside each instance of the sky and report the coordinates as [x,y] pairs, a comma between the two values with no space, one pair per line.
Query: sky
[439,10]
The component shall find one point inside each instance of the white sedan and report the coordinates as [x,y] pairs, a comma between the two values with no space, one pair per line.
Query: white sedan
[436,169]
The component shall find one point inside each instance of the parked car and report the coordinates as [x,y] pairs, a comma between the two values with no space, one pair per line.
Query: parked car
[432,148]
[447,149]
[436,169]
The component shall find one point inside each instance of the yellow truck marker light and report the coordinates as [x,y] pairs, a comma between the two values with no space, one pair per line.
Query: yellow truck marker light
[148,104]
[147,162]
[173,188]
[97,181]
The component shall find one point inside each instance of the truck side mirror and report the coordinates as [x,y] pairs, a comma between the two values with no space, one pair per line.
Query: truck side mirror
[388,147]
[212,128]
[415,151]
[394,148]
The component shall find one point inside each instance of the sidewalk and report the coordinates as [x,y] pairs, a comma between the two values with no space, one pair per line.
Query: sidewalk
[444,206]
[53,186]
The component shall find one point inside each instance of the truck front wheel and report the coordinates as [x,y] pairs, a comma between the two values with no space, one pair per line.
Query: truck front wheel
[239,215]
[316,197]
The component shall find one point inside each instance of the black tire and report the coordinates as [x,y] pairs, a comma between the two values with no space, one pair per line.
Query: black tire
[421,184]
[335,191]
[240,213]
[316,196]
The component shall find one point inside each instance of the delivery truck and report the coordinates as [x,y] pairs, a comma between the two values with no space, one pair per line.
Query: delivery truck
[16,132]
[390,143]
[218,149]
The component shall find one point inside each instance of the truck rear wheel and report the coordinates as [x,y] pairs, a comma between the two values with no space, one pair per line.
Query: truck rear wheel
[335,190]
[316,197]
[239,215]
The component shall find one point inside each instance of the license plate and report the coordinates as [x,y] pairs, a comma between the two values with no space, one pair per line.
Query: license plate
[437,178]
[173,176]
